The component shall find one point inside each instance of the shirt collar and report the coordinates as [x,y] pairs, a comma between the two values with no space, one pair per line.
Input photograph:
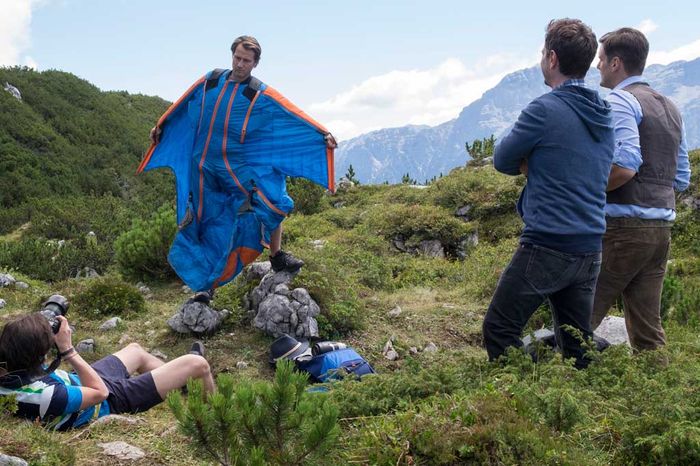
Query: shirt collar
[629,80]
[573,82]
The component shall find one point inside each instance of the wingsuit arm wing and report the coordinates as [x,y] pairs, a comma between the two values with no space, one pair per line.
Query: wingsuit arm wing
[174,147]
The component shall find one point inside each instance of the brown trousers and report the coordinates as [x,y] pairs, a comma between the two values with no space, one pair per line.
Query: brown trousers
[635,252]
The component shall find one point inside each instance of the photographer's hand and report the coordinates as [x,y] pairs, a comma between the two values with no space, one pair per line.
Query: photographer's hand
[63,337]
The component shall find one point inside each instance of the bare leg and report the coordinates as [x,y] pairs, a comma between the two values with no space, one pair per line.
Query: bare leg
[174,374]
[276,240]
[137,359]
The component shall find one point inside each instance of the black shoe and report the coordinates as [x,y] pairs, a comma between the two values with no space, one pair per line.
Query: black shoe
[283,261]
[203,297]
[197,348]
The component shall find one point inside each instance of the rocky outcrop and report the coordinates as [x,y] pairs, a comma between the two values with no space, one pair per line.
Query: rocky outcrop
[277,310]
[196,317]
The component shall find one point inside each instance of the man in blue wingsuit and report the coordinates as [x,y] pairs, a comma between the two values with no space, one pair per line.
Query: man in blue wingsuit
[231,141]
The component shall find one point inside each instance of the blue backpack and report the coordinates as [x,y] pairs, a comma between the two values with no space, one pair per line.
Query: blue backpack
[336,365]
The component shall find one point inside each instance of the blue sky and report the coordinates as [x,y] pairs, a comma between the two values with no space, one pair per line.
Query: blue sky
[354,65]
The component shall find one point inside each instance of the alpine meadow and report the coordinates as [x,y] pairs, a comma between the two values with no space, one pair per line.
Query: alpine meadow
[393,267]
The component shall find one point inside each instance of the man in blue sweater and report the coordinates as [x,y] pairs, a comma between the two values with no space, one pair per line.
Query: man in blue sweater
[563,142]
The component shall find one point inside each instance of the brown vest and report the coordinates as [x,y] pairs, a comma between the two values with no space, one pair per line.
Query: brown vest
[659,138]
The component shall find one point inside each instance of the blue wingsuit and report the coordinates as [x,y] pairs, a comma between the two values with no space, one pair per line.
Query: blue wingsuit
[231,146]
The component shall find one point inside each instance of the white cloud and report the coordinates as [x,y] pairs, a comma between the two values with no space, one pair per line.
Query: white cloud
[647,26]
[685,52]
[419,96]
[14,32]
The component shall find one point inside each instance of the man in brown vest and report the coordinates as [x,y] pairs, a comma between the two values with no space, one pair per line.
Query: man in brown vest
[650,161]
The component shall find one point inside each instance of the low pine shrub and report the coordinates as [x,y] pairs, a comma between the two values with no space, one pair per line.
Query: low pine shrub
[258,423]
[109,296]
[142,252]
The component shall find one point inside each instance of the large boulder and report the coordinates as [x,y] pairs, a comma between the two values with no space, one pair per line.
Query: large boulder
[196,317]
[277,310]
[614,330]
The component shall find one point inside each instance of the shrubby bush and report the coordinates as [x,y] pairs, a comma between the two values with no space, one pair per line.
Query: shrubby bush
[48,261]
[307,195]
[142,252]
[109,296]
[258,423]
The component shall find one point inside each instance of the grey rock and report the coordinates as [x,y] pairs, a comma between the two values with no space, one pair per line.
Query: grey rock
[144,290]
[430,348]
[195,317]
[432,248]
[3,303]
[6,280]
[276,310]
[540,334]
[186,289]
[467,244]
[614,330]
[111,324]
[257,270]
[87,272]
[14,92]
[344,183]
[122,450]
[691,201]
[389,352]
[118,419]
[61,243]
[159,354]
[124,339]
[399,244]
[413,350]
[21,285]
[301,295]
[463,213]
[6,460]
[338,205]
[395,312]
[240,365]
[318,243]
[86,346]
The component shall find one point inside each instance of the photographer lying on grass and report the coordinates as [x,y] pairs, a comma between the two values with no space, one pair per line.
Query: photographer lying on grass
[66,400]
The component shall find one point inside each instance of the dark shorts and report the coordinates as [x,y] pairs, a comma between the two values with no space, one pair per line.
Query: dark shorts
[126,394]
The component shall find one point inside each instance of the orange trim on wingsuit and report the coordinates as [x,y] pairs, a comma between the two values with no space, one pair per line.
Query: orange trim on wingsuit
[247,255]
[269,204]
[331,169]
[286,104]
[247,116]
[223,144]
[171,109]
[282,100]
[206,148]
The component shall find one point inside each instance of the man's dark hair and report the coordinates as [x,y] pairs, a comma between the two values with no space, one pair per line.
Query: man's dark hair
[630,46]
[248,43]
[24,343]
[574,43]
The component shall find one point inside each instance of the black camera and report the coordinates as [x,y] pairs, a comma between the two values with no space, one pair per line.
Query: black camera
[327,346]
[56,305]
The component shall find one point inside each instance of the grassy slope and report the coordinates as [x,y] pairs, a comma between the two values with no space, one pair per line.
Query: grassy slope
[429,407]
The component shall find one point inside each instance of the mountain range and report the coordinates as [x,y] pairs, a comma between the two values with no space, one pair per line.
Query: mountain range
[426,151]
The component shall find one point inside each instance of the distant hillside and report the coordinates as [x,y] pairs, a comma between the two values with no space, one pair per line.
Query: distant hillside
[423,151]
[66,137]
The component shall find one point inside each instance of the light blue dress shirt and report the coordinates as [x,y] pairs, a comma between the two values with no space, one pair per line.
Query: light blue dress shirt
[627,115]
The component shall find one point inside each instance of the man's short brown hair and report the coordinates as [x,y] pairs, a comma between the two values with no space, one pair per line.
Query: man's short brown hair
[574,43]
[248,43]
[630,46]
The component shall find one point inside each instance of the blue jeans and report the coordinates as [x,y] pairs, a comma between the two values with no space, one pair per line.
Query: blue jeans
[536,273]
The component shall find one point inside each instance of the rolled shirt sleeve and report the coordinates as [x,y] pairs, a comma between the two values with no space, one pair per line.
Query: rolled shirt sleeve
[627,114]
[682,180]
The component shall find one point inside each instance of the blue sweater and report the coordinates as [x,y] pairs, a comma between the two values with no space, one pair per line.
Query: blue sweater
[567,138]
